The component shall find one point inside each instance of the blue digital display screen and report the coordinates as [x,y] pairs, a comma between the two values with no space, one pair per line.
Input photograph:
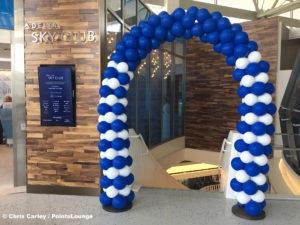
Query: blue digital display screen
[57,96]
[7,14]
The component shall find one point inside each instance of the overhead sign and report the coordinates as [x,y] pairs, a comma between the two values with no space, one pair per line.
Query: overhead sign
[7,14]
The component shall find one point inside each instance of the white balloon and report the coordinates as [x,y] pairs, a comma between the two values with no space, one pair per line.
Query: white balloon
[260,160]
[112,173]
[246,157]
[262,77]
[122,117]
[102,100]
[264,139]
[242,197]
[242,176]
[104,189]
[251,118]
[111,100]
[113,83]
[266,119]
[259,196]
[111,192]
[125,191]
[131,75]
[110,153]
[265,98]
[254,56]
[125,171]
[260,179]
[122,67]
[123,101]
[242,63]
[250,99]
[110,117]
[102,136]
[124,152]
[123,134]
[242,118]
[102,155]
[126,86]
[247,80]
[104,172]
[110,135]
[112,64]
[101,118]
[105,81]
[249,137]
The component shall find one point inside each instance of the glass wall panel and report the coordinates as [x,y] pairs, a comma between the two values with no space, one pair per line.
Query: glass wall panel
[113,34]
[116,6]
[130,12]
[179,46]
[143,12]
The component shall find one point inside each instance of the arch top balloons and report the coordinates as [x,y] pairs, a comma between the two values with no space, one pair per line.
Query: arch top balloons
[256,109]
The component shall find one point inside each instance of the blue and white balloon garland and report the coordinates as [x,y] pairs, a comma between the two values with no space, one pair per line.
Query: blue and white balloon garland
[256,109]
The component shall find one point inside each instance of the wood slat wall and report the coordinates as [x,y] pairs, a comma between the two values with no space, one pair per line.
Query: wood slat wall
[65,156]
[211,98]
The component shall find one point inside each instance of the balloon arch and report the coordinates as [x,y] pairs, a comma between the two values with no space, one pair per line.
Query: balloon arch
[256,109]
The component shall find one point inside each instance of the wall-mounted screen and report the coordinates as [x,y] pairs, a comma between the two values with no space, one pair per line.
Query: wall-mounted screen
[57,95]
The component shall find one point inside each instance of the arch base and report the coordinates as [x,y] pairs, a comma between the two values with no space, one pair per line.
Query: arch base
[110,208]
[241,212]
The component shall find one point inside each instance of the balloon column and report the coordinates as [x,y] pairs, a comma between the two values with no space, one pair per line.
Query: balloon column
[256,108]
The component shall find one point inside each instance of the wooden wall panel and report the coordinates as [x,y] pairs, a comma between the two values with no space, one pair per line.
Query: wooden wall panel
[66,156]
[211,98]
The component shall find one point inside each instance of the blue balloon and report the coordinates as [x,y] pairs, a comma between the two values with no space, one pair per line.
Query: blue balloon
[264,169]
[136,31]
[132,65]
[119,182]
[193,10]
[118,144]
[144,43]
[142,53]
[119,162]
[170,37]
[252,45]
[130,197]
[243,127]
[118,57]
[129,161]
[154,20]
[223,23]
[216,15]
[258,88]
[270,88]
[227,49]
[119,202]
[131,42]
[241,50]
[178,14]
[264,187]
[240,205]
[141,24]
[131,54]
[123,78]
[243,91]
[197,30]
[213,37]
[117,125]
[187,34]
[209,25]
[110,72]
[253,69]
[259,109]
[241,37]
[167,21]
[105,163]
[230,60]
[120,92]
[104,108]
[160,33]
[256,149]
[127,143]
[104,199]
[163,13]
[125,37]
[217,47]
[258,128]
[105,90]
[240,145]
[249,187]
[203,38]
[103,127]
[188,21]
[226,35]
[130,179]
[252,169]
[263,204]
[105,182]
[270,129]
[236,185]
[268,150]
[177,29]
[264,66]
[148,31]
[103,145]
[243,109]
[236,27]
[253,208]
[237,163]
[155,43]
[202,14]
[120,47]
[271,108]
[118,109]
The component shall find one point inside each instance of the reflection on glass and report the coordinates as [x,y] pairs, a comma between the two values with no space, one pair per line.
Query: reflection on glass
[179,97]
[113,35]
[156,98]
[130,12]
[179,45]
[143,12]
[115,5]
